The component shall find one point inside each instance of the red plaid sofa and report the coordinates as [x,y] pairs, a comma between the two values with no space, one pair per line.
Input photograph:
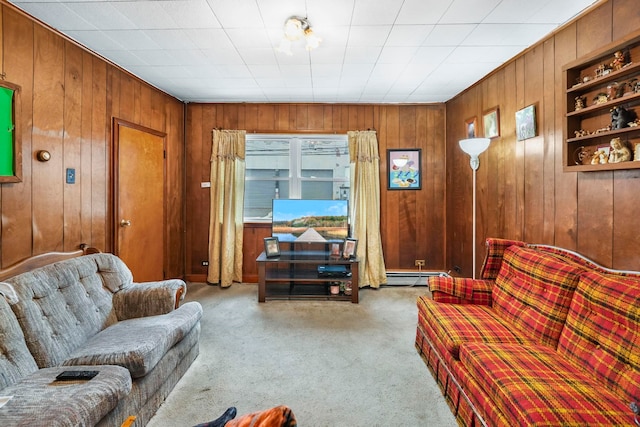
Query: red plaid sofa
[545,337]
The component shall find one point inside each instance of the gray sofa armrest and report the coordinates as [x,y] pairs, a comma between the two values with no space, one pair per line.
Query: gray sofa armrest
[40,400]
[148,298]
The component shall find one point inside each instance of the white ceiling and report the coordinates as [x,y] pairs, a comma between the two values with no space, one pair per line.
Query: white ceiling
[373,51]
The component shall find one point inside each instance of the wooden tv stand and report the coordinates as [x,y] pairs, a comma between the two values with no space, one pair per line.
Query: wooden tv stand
[294,275]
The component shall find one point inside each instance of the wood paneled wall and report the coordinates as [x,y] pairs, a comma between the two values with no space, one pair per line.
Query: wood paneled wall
[412,221]
[69,98]
[522,191]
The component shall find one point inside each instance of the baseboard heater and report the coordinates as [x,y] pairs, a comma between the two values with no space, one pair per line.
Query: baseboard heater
[411,278]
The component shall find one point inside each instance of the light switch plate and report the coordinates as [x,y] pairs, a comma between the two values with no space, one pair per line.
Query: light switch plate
[71,176]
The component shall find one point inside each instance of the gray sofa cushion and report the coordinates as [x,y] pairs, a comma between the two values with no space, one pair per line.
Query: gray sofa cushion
[15,360]
[61,305]
[138,344]
[40,400]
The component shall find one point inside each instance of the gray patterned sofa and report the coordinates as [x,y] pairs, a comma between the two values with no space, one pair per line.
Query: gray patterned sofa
[87,313]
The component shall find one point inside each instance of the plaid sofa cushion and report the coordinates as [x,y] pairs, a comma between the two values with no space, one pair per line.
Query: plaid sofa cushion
[459,290]
[536,386]
[493,258]
[602,332]
[533,291]
[455,324]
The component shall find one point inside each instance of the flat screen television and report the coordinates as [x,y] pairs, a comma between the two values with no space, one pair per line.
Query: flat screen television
[304,220]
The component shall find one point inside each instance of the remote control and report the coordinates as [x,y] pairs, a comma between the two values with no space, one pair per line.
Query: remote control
[76,375]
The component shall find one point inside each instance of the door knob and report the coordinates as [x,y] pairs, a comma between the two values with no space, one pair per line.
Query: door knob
[125,223]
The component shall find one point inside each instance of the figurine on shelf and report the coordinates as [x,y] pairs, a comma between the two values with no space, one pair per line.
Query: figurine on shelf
[602,70]
[600,98]
[634,123]
[619,151]
[601,130]
[619,60]
[599,157]
[620,117]
[580,103]
[581,133]
[630,86]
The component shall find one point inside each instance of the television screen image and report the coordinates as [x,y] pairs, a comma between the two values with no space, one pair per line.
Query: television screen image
[296,220]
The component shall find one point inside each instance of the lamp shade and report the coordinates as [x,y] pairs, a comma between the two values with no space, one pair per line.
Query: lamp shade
[474,146]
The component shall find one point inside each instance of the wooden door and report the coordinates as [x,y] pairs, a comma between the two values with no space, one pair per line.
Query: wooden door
[139,165]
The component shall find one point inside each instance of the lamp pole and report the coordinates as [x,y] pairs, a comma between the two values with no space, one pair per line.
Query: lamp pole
[474,147]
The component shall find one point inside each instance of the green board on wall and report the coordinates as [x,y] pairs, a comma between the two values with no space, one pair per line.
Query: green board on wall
[6,132]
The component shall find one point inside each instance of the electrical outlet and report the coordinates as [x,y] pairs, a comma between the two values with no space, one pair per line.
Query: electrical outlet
[205,263]
[419,263]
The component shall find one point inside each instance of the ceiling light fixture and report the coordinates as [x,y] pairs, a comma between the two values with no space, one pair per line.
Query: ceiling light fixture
[295,28]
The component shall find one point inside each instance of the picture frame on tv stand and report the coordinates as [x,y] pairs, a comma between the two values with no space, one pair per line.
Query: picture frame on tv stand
[271,247]
[349,248]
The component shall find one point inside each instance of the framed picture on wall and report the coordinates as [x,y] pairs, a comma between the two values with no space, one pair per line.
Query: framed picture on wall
[526,123]
[491,123]
[471,127]
[404,169]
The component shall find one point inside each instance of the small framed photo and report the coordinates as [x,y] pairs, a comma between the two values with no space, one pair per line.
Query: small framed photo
[526,123]
[471,127]
[491,123]
[271,247]
[405,169]
[349,250]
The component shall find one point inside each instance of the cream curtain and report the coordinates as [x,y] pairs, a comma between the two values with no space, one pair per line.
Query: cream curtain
[365,206]
[227,199]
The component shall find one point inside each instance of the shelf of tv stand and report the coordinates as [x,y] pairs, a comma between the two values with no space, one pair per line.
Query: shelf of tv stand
[294,275]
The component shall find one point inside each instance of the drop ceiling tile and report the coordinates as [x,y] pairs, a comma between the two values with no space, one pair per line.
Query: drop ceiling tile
[102,15]
[422,12]
[123,58]
[560,11]
[191,14]
[145,14]
[158,57]
[449,34]
[431,55]
[367,35]
[258,56]
[222,56]
[133,39]
[208,38]
[375,12]
[57,16]
[507,34]
[408,35]
[237,13]
[397,55]
[98,40]
[249,37]
[362,55]
[171,39]
[330,12]
[468,11]
[515,11]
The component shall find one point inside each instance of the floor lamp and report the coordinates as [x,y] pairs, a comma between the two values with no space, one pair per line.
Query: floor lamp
[474,147]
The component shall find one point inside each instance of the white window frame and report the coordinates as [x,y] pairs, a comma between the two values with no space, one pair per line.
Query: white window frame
[295,178]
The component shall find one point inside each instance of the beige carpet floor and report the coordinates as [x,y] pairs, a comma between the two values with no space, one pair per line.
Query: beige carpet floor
[333,363]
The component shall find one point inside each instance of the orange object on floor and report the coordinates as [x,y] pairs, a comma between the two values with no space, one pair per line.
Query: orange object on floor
[279,416]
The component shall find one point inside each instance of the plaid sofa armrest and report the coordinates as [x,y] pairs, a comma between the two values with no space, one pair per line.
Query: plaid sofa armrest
[457,290]
[493,258]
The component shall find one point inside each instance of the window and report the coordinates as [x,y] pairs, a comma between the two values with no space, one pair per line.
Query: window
[293,167]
